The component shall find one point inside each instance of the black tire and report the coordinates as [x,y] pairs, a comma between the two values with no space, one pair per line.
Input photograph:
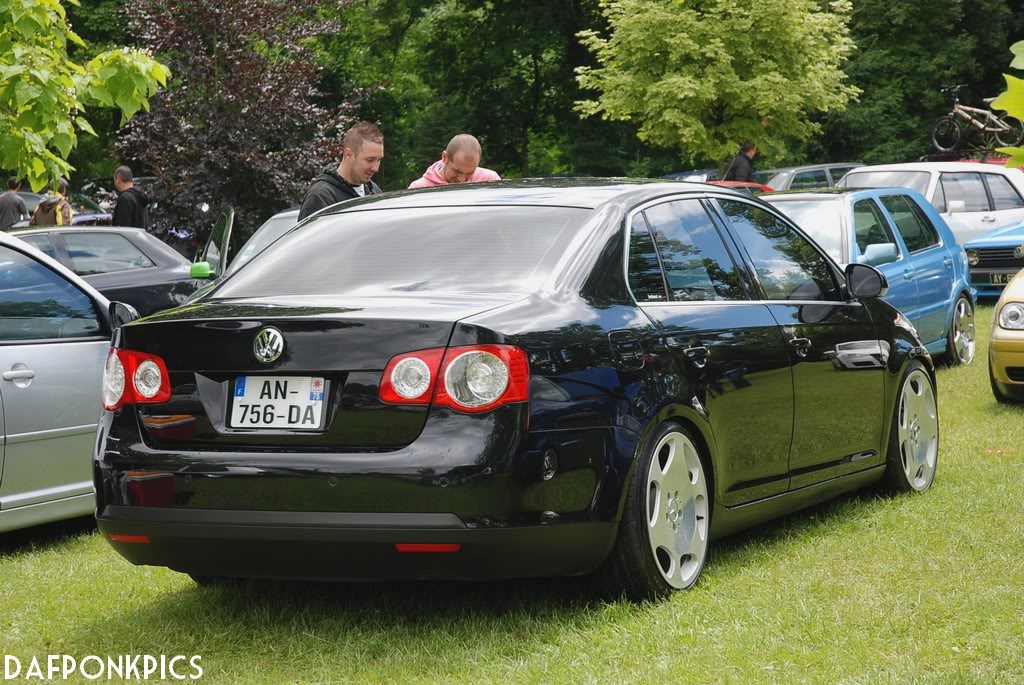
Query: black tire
[947,134]
[631,569]
[957,334]
[896,478]
[1014,136]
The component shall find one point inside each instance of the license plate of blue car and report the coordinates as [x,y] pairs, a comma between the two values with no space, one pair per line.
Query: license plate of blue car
[1001,279]
[277,402]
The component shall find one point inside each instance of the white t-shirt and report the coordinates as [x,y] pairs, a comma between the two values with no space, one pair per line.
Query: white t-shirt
[360,190]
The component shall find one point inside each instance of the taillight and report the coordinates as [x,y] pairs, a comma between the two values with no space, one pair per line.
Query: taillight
[471,378]
[131,377]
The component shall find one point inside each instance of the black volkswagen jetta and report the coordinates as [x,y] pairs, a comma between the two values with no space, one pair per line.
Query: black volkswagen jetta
[516,379]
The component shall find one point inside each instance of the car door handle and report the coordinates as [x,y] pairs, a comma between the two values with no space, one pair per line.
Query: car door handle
[988,219]
[19,375]
[908,274]
[801,345]
[698,355]
[948,261]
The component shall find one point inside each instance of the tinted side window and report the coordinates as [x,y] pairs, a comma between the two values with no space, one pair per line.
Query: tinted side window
[788,266]
[917,234]
[645,278]
[965,187]
[870,225]
[810,179]
[38,304]
[1004,195]
[100,253]
[41,242]
[697,265]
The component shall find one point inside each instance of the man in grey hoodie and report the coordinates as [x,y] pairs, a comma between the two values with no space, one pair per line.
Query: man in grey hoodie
[12,206]
[363,152]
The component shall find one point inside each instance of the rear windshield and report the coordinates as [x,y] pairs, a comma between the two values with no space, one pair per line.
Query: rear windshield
[435,249]
[914,180]
[820,219]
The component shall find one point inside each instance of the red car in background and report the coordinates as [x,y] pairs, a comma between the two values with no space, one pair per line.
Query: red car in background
[743,186]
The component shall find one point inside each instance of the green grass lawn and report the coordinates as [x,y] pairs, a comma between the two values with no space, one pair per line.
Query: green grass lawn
[865,590]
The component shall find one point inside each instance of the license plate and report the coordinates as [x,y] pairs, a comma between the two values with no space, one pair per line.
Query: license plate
[277,402]
[1001,279]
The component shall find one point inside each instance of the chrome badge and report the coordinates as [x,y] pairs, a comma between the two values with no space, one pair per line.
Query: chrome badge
[269,345]
[1019,252]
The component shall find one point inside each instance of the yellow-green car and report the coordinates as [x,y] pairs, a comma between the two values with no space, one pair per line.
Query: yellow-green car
[1006,351]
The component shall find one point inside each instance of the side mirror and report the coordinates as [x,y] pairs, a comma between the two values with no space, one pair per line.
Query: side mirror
[956,206]
[201,271]
[864,281]
[878,254]
[120,314]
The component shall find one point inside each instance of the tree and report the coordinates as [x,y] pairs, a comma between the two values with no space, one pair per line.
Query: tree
[1012,102]
[44,93]
[705,75]
[243,122]
[906,51]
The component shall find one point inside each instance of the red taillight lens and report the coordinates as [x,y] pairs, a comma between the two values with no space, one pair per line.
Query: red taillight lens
[131,377]
[429,548]
[410,378]
[470,378]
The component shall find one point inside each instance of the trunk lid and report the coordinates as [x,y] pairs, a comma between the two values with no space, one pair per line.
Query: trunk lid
[346,343]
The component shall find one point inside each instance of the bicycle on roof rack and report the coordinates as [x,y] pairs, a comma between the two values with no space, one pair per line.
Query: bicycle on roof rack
[951,131]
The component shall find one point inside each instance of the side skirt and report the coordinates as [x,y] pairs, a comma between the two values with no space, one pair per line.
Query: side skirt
[727,521]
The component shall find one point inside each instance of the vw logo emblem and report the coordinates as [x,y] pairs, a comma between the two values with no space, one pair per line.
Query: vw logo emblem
[1019,252]
[269,345]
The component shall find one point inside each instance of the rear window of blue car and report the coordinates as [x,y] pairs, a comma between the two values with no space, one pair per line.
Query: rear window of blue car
[820,219]
[434,249]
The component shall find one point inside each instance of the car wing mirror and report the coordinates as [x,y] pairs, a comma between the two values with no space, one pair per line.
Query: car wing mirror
[201,271]
[865,281]
[879,253]
[120,314]
[956,206]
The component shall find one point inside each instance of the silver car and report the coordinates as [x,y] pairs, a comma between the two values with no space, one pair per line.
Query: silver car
[54,339]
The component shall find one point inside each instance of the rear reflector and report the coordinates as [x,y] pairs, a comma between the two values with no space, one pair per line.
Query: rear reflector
[415,547]
[132,539]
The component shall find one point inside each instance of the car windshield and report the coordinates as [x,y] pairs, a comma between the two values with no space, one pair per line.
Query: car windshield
[270,231]
[820,219]
[914,180]
[437,249]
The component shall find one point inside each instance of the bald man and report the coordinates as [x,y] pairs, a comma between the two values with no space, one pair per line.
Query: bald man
[460,163]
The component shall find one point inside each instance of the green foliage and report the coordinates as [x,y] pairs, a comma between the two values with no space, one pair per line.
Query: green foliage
[44,93]
[705,76]
[906,51]
[1012,102]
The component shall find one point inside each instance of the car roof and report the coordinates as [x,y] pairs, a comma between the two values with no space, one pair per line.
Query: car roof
[933,166]
[12,240]
[550,192]
[808,167]
[80,229]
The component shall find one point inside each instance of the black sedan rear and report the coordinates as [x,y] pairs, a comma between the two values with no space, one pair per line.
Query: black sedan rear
[516,379]
[125,264]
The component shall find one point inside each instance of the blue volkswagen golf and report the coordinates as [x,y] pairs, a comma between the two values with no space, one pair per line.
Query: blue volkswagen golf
[995,258]
[899,232]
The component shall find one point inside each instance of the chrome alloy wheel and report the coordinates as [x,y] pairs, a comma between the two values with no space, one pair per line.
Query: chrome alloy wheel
[677,510]
[918,430]
[963,331]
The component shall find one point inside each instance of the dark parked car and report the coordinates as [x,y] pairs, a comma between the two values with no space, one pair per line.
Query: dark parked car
[125,264]
[511,379]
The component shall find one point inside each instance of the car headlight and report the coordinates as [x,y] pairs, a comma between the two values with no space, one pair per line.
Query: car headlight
[972,257]
[1011,317]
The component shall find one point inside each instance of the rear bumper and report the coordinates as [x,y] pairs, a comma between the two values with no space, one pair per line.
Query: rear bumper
[346,546]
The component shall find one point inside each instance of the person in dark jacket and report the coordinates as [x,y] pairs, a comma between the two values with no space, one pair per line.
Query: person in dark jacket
[741,168]
[132,208]
[12,206]
[363,152]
